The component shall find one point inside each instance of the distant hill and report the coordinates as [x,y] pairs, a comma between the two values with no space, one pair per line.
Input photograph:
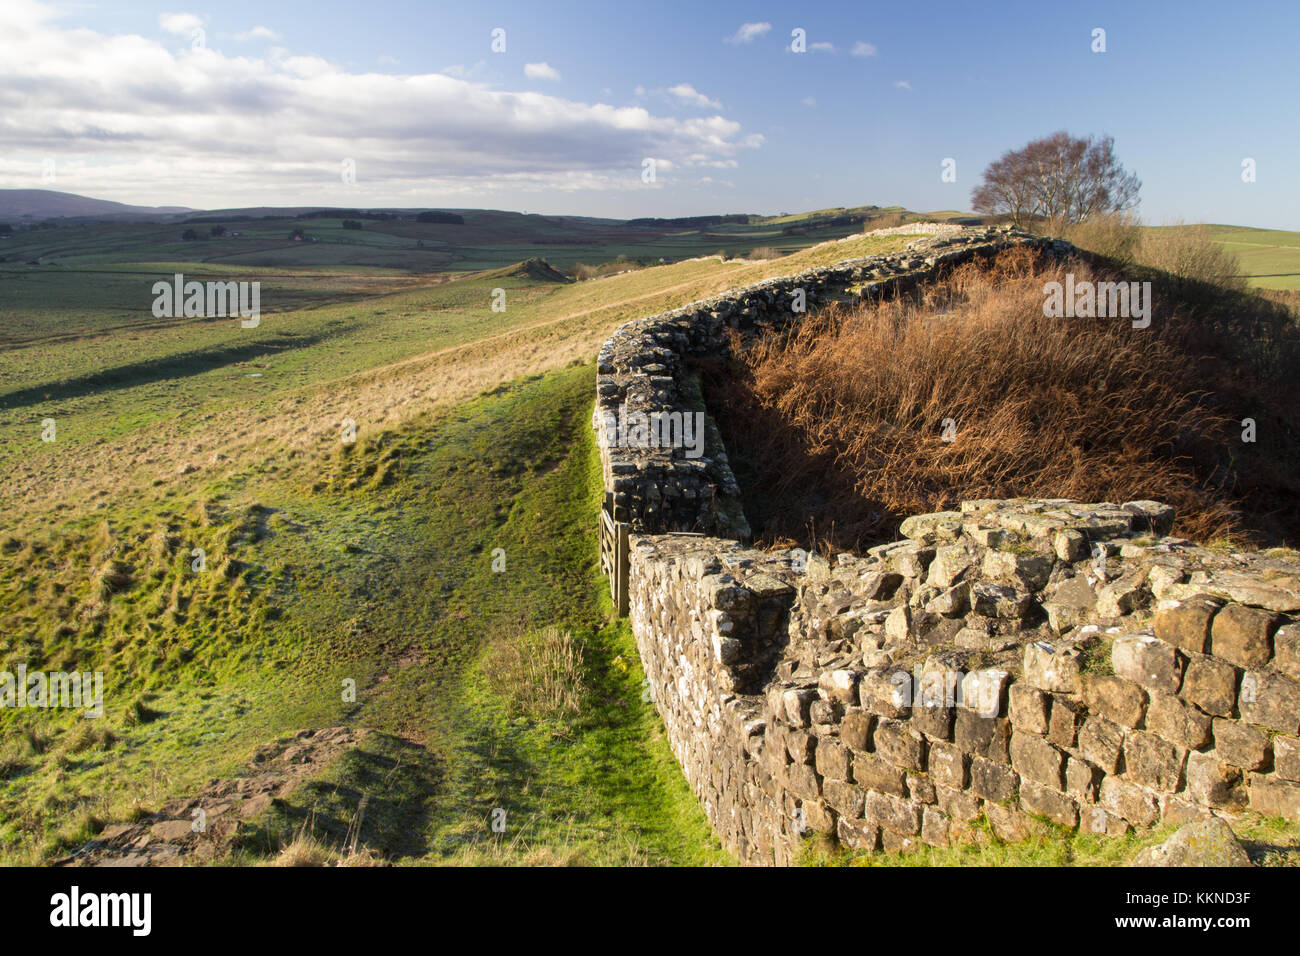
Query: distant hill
[48,204]
[534,268]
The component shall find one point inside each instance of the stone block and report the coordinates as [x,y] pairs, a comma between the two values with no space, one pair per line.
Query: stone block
[947,765]
[857,835]
[1147,661]
[1271,701]
[1052,667]
[844,798]
[1153,761]
[1211,685]
[1243,635]
[1240,745]
[892,813]
[875,774]
[886,692]
[896,742]
[934,827]
[1286,650]
[1049,803]
[1102,741]
[1029,709]
[1186,623]
[1081,779]
[1134,804]
[1212,783]
[992,781]
[855,729]
[1037,760]
[1178,722]
[1063,726]
[832,759]
[982,736]
[1286,758]
[1115,698]
[1274,798]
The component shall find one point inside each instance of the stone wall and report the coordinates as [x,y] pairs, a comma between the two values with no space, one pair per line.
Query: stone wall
[640,376]
[1012,662]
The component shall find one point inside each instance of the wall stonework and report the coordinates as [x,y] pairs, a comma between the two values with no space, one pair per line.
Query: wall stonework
[1014,661]
[640,371]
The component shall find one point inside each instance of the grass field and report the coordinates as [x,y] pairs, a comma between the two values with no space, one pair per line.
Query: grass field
[1270,257]
[487,239]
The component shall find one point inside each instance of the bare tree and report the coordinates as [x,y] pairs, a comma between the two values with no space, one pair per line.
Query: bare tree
[1061,178]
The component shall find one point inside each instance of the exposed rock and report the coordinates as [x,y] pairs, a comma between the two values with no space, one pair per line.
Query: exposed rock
[1209,843]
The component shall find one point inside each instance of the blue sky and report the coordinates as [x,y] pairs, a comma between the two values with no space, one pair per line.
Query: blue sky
[561,122]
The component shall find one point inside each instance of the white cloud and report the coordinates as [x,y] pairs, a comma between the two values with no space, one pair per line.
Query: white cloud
[689,94]
[903,84]
[181,24]
[863,48]
[127,118]
[748,32]
[822,47]
[257,33]
[541,71]
[478,73]
[809,101]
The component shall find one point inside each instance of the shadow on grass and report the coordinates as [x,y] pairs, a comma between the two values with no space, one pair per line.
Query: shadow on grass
[376,796]
[133,374]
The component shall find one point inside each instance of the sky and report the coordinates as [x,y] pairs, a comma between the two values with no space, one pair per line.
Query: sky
[559,107]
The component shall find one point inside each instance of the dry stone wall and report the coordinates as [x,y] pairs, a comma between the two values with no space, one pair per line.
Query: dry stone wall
[642,392]
[1005,664]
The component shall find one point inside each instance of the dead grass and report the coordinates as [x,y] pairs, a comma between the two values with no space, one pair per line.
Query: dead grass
[306,850]
[846,414]
[538,673]
[1189,254]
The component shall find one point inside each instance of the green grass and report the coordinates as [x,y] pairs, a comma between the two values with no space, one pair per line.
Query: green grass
[489,239]
[1270,258]
[372,564]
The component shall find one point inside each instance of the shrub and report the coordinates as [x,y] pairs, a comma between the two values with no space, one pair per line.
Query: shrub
[1116,235]
[1188,253]
[764,252]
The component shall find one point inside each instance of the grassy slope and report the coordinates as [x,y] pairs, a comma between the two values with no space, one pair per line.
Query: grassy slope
[380,573]
[135,403]
[327,562]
